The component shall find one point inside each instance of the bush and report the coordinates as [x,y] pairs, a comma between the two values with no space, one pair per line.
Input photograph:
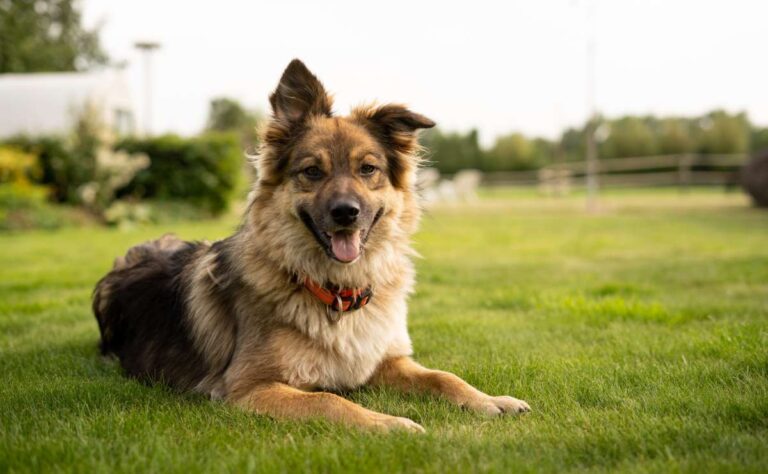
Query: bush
[19,197]
[115,169]
[64,168]
[24,204]
[203,170]
[82,166]
[18,167]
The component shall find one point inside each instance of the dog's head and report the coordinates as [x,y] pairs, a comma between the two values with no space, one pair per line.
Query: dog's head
[346,181]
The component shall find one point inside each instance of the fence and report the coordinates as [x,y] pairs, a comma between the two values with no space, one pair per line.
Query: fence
[668,170]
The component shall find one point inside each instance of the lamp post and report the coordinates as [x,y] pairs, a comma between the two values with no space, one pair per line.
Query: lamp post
[147,48]
[592,159]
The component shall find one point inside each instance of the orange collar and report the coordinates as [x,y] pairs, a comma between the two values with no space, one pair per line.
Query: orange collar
[339,300]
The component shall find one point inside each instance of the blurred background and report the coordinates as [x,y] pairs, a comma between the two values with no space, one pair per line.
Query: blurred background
[123,113]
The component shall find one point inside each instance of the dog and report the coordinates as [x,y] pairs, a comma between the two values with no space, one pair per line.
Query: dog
[307,299]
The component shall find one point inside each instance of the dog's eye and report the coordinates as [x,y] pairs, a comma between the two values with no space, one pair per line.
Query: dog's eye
[313,172]
[367,170]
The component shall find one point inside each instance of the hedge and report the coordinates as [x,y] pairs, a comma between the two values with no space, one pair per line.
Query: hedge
[203,170]
[64,166]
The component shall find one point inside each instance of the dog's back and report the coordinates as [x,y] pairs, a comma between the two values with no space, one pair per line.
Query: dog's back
[140,309]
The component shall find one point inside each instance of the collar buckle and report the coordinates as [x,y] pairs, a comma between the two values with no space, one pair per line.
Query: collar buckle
[335,309]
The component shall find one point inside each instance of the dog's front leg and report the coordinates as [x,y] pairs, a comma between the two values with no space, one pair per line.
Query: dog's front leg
[405,374]
[282,401]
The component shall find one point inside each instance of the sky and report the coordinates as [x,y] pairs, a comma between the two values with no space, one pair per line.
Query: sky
[498,66]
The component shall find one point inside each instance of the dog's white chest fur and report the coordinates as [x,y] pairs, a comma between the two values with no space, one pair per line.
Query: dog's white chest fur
[345,354]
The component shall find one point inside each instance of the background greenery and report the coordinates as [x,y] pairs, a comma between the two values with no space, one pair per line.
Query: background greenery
[45,36]
[197,176]
[203,170]
[717,132]
[637,335]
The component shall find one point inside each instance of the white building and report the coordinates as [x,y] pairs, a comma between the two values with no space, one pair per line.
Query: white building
[49,103]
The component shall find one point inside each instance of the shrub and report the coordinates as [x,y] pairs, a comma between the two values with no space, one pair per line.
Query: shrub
[203,170]
[82,167]
[114,170]
[18,167]
[23,204]
[63,167]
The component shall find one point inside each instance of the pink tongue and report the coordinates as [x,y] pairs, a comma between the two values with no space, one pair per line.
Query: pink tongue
[345,245]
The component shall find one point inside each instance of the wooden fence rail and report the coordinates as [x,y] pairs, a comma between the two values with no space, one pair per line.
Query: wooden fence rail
[667,170]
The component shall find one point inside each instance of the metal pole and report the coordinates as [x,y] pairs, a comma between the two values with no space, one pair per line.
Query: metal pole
[592,182]
[147,93]
[147,48]
[592,158]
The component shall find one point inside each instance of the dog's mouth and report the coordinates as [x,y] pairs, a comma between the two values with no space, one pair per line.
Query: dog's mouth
[343,245]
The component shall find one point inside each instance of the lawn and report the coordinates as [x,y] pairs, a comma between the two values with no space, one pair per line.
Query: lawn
[638,335]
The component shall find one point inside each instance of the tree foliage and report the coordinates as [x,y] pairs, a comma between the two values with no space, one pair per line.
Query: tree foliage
[674,136]
[46,36]
[518,152]
[717,132]
[452,152]
[720,132]
[228,115]
[225,115]
[629,136]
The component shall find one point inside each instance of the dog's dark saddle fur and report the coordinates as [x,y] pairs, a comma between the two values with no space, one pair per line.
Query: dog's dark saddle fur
[140,308]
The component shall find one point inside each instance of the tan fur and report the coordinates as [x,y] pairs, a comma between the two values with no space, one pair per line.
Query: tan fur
[405,374]
[285,402]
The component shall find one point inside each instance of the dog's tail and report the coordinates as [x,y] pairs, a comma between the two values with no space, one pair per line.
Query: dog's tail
[107,315]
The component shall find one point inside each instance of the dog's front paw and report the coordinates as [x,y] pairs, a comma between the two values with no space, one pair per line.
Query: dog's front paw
[396,423]
[494,406]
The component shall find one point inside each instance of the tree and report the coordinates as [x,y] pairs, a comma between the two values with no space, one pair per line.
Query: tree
[720,132]
[573,144]
[46,36]
[517,152]
[675,136]
[452,152]
[227,115]
[629,136]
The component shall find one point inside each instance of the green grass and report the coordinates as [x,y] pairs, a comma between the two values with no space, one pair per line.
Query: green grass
[639,336]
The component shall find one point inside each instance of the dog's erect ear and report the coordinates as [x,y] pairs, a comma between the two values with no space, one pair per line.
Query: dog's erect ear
[396,128]
[299,95]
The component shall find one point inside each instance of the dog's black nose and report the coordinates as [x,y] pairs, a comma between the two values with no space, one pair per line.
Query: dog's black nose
[345,212]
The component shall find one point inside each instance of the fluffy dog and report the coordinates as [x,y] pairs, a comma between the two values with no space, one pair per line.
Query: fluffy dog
[310,293]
